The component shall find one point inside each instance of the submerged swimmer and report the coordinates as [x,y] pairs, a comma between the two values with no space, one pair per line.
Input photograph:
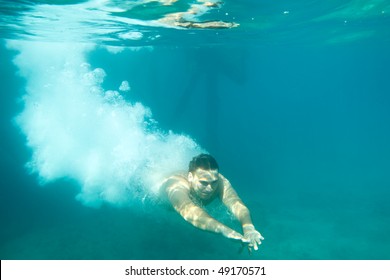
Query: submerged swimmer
[201,185]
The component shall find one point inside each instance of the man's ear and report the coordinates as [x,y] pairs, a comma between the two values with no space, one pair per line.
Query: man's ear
[190,177]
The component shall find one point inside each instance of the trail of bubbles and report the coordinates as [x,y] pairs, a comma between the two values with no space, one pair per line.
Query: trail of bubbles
[78,130]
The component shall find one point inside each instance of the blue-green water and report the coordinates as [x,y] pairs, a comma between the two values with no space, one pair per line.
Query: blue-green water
[293,103]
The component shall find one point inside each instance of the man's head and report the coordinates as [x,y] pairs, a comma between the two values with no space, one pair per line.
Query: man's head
[203,161]
[203,175]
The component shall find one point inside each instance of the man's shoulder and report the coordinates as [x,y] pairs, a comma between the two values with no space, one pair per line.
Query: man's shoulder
[178,179]
[223,179]
[180,175]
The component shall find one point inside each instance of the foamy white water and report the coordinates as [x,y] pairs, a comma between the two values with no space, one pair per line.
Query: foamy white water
[77,129]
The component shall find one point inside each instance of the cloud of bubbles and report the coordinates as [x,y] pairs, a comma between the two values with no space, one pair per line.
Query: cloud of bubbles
[78,130]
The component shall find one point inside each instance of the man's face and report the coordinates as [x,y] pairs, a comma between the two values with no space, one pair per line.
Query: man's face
[204,182]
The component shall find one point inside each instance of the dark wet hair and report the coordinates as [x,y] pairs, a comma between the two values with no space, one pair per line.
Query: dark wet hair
[203,161]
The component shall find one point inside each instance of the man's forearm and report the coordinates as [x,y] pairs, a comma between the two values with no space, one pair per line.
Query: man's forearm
[199,218]
[202,220]
[241,212]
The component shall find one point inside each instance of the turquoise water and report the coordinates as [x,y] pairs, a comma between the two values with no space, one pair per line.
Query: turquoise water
[100,99]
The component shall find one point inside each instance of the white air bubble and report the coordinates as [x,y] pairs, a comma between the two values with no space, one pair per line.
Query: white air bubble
[124,86]
[133,35]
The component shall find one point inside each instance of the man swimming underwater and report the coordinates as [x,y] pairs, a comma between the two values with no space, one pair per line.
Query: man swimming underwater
[203,183]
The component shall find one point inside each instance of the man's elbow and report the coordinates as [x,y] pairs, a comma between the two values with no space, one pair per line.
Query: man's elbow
[239,207]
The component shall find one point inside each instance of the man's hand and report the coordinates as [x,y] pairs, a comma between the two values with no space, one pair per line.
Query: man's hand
[252,237]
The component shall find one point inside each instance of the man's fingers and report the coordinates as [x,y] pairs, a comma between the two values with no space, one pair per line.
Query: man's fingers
[252,246]
[261,237]
[253,240]
[235,235]
[238,236]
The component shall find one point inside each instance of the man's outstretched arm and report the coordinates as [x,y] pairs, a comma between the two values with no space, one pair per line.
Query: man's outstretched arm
[241,212]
